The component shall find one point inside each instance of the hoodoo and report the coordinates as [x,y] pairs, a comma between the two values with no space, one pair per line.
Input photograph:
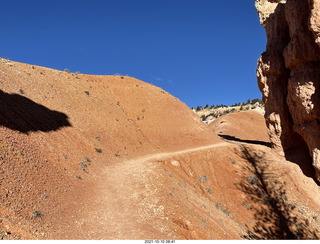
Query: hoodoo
[289,78]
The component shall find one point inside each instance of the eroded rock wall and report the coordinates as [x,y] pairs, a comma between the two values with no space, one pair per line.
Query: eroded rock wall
[289,78]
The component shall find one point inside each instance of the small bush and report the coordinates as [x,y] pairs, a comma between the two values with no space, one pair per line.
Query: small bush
[203,179]
[83,166]
[224,210]
[36,214]
[252,180]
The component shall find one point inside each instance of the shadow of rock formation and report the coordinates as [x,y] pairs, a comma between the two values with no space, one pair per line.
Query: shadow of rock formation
[22,114]
[296,155]
[232,138]
[275,218]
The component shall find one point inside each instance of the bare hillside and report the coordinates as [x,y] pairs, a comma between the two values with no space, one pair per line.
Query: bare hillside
[112,157]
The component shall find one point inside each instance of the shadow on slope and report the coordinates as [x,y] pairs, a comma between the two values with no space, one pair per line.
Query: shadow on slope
[274,215]
[232,138]
[22,114]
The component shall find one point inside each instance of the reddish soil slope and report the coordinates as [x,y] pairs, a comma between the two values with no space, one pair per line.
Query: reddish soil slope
[244,125]
[112,157]
[58,128]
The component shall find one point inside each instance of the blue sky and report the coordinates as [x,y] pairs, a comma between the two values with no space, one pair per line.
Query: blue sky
[200,51]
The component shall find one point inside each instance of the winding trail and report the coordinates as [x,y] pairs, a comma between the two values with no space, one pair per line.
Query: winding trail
[160,156]
[125,206]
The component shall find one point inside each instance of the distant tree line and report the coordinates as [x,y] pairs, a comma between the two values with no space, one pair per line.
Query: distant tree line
[253,101]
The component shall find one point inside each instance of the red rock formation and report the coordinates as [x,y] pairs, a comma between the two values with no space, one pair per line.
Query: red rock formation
[288,77]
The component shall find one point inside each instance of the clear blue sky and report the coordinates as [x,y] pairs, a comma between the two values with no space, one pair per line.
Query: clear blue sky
[200,51]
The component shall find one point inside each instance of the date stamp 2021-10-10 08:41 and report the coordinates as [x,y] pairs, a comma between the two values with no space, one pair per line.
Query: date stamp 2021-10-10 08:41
[159,241]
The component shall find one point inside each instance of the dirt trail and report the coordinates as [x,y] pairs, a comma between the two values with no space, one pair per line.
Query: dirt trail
[125,206]
[159,156]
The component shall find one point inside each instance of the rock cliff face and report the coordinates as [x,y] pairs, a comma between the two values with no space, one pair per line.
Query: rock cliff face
[289,78]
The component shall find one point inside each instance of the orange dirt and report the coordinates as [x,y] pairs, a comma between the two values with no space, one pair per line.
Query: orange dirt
[244,125]
[112,157]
